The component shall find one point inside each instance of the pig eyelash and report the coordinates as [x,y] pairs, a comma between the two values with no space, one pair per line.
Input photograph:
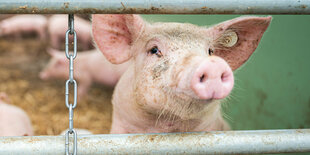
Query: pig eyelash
[155,50]
[210,51]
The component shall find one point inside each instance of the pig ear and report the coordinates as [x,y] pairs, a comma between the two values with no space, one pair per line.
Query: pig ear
[114,35]
[235,40]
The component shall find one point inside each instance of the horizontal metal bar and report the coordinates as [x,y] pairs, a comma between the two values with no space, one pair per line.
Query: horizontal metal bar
[156,6]
[218,142]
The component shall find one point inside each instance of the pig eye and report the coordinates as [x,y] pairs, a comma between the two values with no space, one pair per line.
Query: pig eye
[156,51]
[210,51]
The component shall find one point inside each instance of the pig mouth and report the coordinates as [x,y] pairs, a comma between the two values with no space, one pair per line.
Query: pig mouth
[207,101]
[185,101]
[185,97]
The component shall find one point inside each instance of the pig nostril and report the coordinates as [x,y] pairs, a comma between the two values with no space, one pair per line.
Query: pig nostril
[224,77]
[202,78]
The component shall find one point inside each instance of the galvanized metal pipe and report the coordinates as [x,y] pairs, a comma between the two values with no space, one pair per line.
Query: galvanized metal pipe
[227,142]
[156,6]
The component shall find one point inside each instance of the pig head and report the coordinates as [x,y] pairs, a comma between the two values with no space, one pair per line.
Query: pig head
[57,66]
[180,72]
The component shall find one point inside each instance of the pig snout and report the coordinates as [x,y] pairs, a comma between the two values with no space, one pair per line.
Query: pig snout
[213,79]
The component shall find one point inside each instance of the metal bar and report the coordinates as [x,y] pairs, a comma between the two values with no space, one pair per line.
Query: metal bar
[156,6]
[218,142]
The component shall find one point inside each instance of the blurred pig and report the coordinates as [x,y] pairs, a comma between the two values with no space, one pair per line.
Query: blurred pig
[58,26]
[19,24]
[180,72]
[90,66]
[13,120]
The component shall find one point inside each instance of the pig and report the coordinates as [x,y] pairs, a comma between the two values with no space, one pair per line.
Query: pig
[58,26]
[89,66]
[179,73]
[13,120]
[24,24]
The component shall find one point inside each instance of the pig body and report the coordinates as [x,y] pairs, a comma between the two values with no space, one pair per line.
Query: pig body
[58,26]
[24,24]
[179,72]
[13,120]
[90,66]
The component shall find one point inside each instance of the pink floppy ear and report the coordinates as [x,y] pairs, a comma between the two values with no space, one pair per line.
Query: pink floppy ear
[236,40]
[114,35]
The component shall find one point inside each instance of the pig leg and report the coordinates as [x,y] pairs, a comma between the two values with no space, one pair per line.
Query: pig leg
[83,87]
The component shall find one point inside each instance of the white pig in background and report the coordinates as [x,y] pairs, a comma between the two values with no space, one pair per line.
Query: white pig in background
[89,66]
[58,26]
[24,24]
[179,72]
[13,120]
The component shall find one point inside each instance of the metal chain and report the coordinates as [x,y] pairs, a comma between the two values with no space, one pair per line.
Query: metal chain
[71,57]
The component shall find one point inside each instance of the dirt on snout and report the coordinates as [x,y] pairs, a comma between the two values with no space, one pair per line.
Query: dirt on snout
[21,60]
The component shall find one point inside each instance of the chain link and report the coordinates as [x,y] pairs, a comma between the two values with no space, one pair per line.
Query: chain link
[74,44]
[71,23]
[71,57]
[74,142]
[74,93]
